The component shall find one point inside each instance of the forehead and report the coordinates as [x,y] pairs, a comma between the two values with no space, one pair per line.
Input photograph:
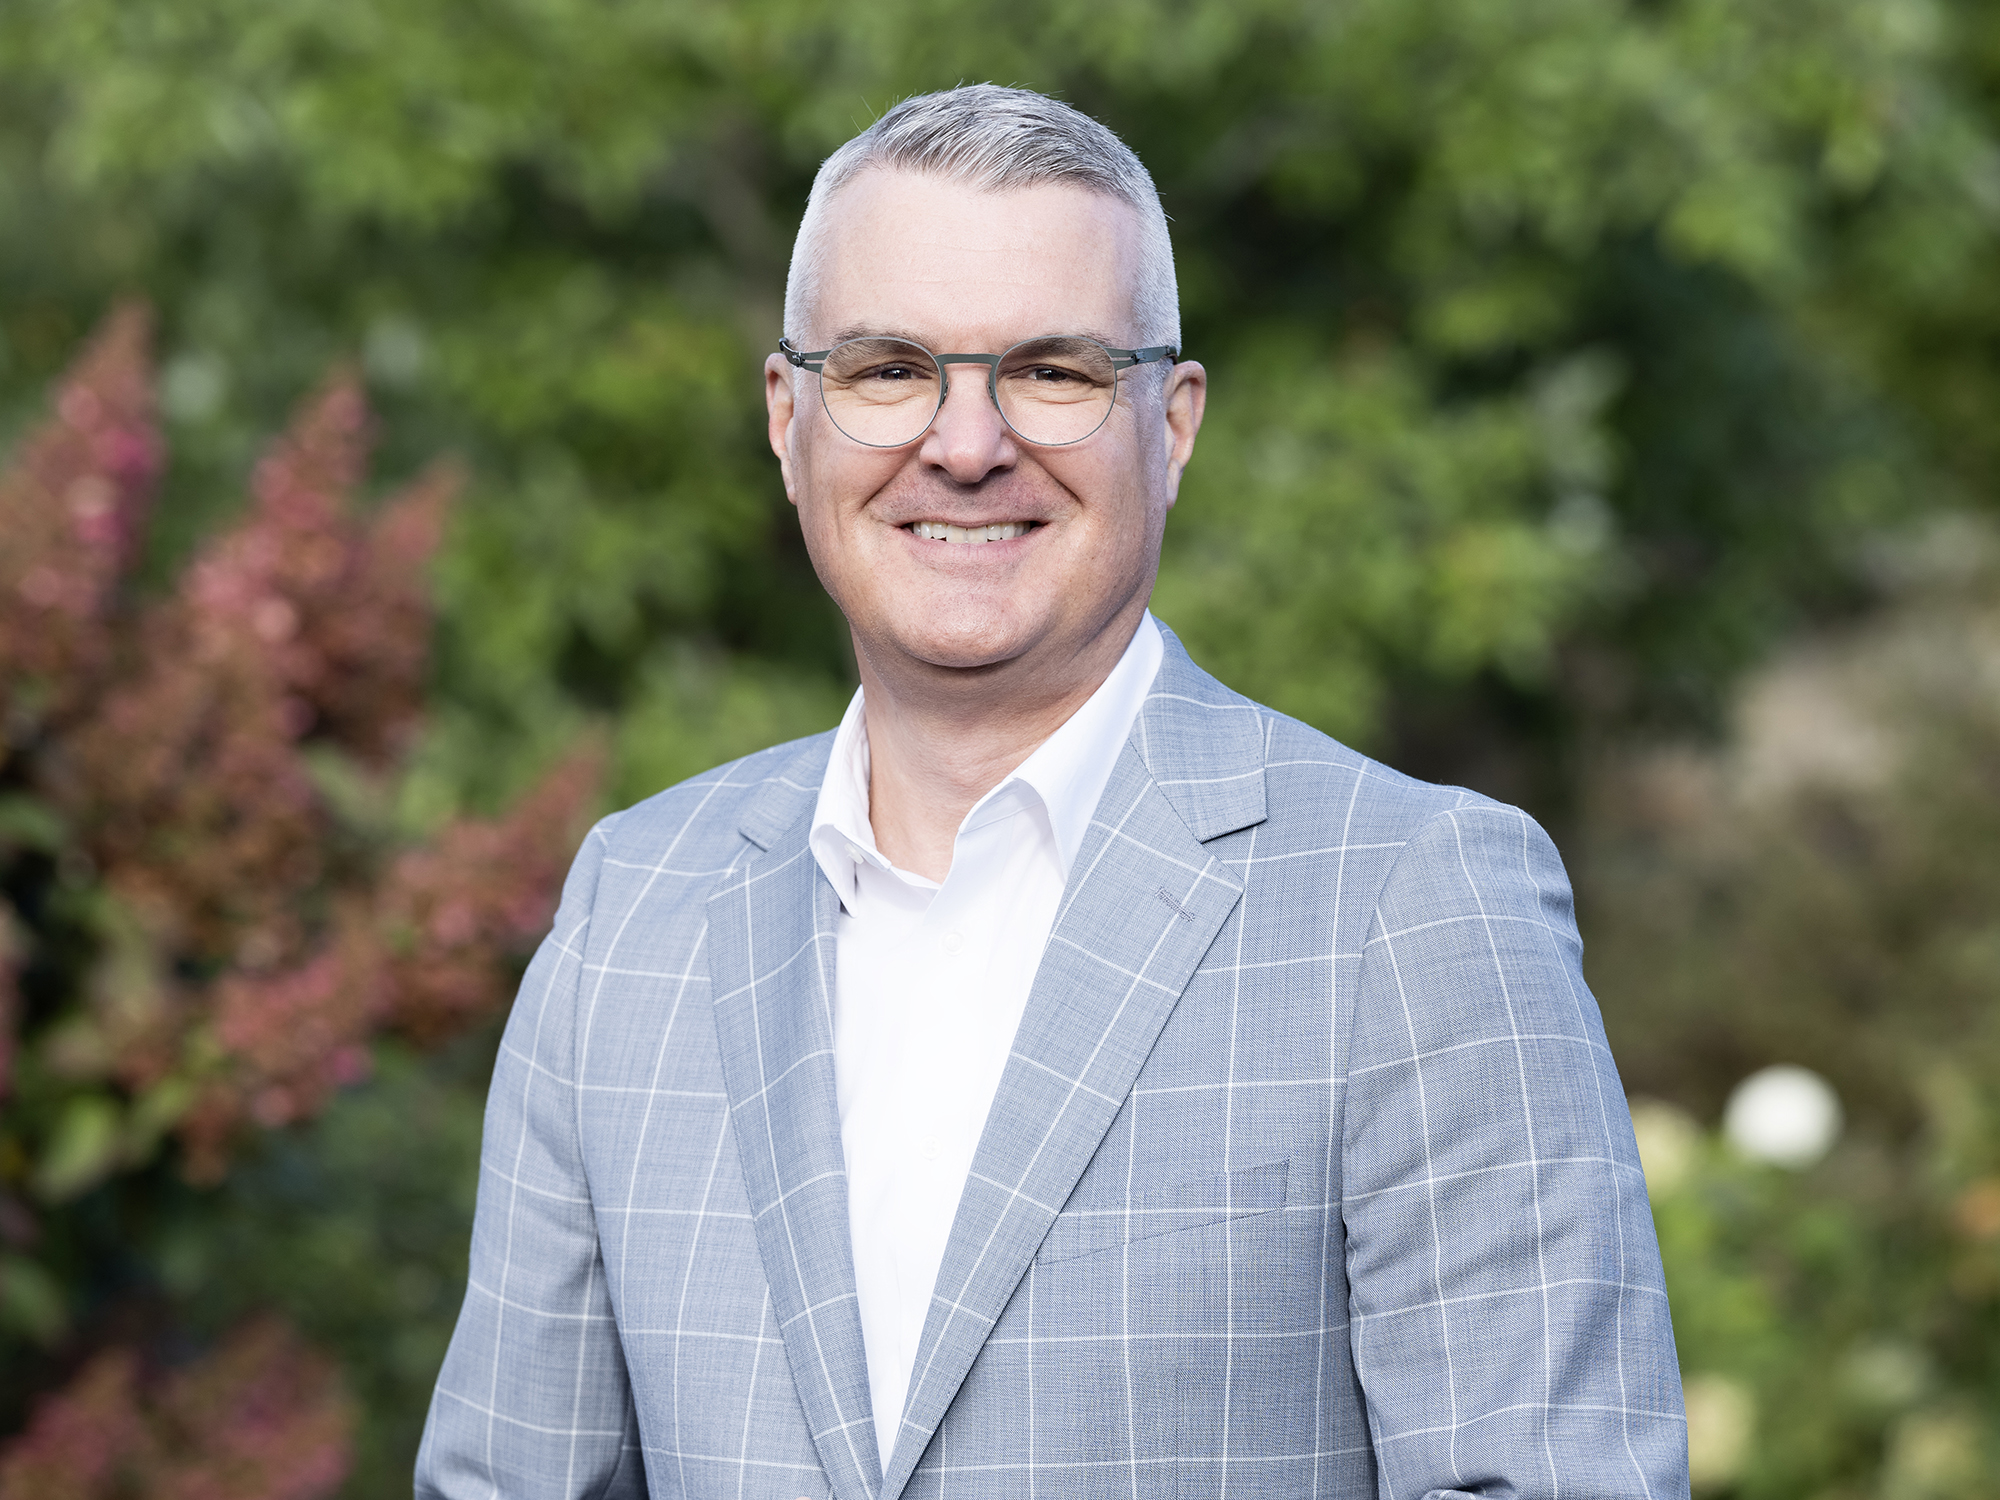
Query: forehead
[910,253]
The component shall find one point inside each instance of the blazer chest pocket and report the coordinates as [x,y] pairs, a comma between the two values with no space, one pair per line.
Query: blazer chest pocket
[1195,1204]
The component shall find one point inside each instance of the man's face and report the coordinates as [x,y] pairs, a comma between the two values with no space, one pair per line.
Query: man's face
[959,270]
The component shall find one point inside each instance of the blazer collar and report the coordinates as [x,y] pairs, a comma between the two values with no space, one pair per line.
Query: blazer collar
[788,794]
[1204,746]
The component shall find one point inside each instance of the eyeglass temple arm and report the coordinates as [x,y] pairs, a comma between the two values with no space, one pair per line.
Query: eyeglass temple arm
[815,362]
[1124,359]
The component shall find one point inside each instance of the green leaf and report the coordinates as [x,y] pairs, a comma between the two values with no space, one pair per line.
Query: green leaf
[31,1300]
[84,1149]
[29,823]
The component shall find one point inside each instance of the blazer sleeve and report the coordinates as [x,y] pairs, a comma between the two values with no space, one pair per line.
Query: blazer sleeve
[533,1402]
[1508,1314]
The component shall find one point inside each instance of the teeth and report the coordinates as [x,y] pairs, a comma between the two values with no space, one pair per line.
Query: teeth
[941,531]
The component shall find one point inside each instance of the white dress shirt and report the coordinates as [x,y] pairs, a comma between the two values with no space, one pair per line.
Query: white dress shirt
[931,983]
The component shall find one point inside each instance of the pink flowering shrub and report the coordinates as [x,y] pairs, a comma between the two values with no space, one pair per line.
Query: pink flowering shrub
[200,937]
[249,945]
[72,512]
[259,1418]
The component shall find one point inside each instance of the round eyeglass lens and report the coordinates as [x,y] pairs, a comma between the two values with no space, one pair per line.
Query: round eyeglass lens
[882,392]
[1054,391]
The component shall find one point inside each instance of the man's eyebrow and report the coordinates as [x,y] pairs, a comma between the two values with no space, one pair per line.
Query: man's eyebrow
[859,331]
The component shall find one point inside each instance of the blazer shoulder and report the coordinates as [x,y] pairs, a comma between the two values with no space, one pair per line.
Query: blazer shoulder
[1229,762]
[708,817]
[1311,772]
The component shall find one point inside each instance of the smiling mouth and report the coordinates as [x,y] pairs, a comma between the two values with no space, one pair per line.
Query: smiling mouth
[940,531]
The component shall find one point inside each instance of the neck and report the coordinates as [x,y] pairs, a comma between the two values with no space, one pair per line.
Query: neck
[939,739]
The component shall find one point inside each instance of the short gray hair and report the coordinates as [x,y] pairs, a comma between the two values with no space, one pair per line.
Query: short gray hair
[997,140]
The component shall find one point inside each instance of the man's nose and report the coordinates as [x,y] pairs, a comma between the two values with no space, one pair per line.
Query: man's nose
[968,439]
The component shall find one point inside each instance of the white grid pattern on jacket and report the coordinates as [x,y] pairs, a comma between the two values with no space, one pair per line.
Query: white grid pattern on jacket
[1310,1173]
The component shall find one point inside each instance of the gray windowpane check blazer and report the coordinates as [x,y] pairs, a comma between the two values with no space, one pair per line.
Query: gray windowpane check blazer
[1309,1174]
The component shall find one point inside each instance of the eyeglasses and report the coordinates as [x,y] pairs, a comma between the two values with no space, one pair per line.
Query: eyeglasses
[1052,391]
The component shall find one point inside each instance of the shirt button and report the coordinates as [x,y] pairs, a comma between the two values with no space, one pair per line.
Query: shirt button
[930,1148]
[953,943]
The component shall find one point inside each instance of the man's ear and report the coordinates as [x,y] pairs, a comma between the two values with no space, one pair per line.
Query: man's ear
[1186,398]
[781,410]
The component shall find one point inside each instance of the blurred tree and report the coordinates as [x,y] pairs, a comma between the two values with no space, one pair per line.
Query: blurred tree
[1560,346]
[1837,858]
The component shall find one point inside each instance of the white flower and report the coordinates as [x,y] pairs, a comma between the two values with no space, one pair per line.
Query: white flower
[1933,1455]
[1784,1114]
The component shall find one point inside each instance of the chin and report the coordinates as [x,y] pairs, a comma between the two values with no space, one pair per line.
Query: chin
[961,638]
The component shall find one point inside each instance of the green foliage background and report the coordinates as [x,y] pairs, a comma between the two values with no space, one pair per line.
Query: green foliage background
[1568,358]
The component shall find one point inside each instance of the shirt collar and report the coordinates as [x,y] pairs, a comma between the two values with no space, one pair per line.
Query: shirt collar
[842,838]
[1066,773]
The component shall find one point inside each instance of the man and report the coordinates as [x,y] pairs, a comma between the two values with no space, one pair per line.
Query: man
[1067,1077]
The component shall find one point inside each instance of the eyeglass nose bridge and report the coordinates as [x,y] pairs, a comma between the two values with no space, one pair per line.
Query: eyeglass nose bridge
[992,363]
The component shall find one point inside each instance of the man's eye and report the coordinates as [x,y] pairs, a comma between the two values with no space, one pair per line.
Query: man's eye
[1051,374]
[892,372]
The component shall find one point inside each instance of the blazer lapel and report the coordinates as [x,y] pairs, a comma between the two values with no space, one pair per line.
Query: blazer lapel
[771,958]
[1145,900]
